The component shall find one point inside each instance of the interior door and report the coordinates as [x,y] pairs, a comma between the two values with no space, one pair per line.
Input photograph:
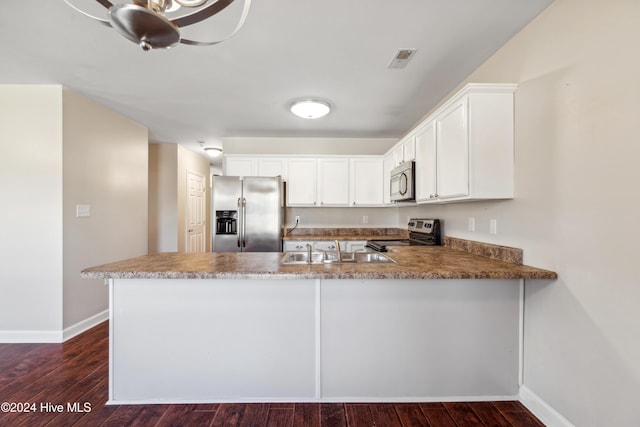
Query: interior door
[196,211]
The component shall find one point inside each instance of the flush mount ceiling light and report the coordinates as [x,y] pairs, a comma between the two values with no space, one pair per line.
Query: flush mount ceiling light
[213,151]
[310,108]
[144,21]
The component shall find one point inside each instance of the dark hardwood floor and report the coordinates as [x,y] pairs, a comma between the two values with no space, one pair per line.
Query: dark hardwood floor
[43,382]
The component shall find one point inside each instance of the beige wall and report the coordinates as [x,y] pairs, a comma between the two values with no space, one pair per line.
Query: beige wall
[105,162]
[163,198]
[346,146]
[576,205]
[168,165]
[31,214]
[58,150]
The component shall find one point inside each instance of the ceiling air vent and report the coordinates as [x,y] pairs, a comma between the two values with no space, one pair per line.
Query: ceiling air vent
[401,58]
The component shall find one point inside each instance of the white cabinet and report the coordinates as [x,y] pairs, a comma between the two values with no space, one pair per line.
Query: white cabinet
[464,151]
[453,151]
[301,182]
[404,150]
[426,163]
[272,166]
[388,163]
[333,182]
[329,245]
[409,149]
[240,166]
[296,245]
[366,181]
[320,181]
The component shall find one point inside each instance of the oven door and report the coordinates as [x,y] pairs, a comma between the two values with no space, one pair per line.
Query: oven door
[402,183]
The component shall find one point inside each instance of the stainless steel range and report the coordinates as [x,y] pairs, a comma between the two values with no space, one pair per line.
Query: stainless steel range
[425,232]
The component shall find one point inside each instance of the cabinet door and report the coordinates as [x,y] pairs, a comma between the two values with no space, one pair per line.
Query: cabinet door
[366,181]
[387,166]
[240,166]
[333,182]
[296,245]
[453,151]
[409,149]
[426,163]
[398,154]
[272,167]
[301,182]
[329,245]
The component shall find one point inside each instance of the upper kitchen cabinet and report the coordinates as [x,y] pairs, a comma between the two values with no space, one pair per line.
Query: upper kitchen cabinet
[388,163]
[333,182]
[426,164]
[301,182]
[404,150]
[240,166]
[367,181]
[465,150]
[272,166]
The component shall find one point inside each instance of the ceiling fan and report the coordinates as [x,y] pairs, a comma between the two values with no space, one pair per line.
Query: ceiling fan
[145,23]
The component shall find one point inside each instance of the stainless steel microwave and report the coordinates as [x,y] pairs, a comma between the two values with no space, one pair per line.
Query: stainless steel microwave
[403,182]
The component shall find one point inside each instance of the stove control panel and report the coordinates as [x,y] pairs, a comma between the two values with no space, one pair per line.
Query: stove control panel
[427,226]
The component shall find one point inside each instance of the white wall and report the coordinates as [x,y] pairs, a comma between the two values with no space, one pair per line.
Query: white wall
[576,204]
[31,214]
[105,163]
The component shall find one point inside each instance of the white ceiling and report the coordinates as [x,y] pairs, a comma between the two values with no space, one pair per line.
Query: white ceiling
[333,49]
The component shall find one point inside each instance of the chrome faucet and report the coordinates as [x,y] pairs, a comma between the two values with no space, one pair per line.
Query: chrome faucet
[308,253]
[338,250]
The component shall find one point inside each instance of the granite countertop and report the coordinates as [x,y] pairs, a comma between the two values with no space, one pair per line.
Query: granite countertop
[346,234]
[412,262]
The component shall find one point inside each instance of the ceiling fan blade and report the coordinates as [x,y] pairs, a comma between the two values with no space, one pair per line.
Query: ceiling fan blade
[100,20]
[200,15]
[105,3]
[243,17]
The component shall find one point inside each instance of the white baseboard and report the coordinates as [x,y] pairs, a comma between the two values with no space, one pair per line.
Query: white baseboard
[46,337]
[541,409]
[14,337]
[84,325]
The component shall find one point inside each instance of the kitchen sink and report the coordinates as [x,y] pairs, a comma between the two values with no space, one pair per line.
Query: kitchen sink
[332,258]
[303,257]
[371,257]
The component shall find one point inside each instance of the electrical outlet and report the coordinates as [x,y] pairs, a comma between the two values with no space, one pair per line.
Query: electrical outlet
[493,226]
[472,224]
[83,211]
[365,219]
[297,219]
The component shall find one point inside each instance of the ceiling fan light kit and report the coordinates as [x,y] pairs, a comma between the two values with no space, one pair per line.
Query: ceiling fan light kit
[145,23]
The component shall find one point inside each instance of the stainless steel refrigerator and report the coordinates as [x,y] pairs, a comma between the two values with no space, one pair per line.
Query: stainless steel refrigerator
[248,214]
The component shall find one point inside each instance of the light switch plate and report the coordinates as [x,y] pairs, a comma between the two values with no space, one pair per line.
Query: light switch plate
[83,211]
[493,226]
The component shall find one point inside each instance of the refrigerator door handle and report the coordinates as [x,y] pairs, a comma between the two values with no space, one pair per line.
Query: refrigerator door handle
[244,222]
[240,209]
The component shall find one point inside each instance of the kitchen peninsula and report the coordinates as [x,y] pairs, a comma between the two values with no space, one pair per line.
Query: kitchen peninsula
[438,323]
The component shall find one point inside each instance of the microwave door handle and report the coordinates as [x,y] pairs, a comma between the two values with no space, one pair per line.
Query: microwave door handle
[404,184]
